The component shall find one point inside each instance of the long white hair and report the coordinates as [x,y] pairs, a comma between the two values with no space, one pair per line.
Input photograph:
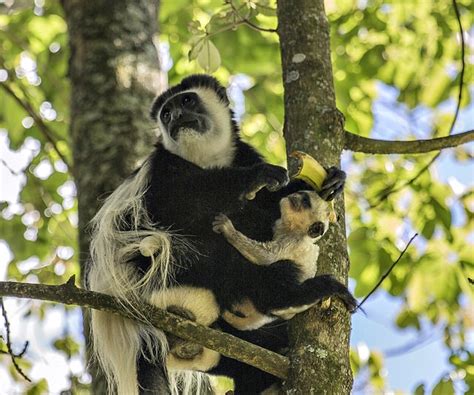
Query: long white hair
[120,230]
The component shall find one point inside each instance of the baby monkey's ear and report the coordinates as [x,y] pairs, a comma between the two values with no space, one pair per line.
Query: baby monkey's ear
[316,230]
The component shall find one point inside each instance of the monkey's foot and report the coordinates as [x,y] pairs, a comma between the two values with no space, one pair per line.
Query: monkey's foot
[187,350]
[180,348]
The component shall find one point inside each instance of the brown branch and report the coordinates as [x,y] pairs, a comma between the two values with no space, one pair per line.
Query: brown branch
[8,342]
[356,143]
[43,128]
[388,271]
[221,342]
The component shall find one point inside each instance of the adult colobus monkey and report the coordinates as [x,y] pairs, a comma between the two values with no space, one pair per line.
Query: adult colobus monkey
[153,240]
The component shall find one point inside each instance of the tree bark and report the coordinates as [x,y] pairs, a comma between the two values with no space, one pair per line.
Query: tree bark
[114,73]
[319,338]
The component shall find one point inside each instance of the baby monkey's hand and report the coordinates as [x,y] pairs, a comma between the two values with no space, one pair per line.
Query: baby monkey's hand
[222,224]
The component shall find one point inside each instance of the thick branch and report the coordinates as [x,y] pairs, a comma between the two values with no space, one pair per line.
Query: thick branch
[356,143]
[224,343]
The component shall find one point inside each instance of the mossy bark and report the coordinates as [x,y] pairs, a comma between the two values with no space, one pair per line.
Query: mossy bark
[319,338]
[114,74]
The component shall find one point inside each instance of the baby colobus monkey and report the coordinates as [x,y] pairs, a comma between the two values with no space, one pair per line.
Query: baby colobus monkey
[305,218]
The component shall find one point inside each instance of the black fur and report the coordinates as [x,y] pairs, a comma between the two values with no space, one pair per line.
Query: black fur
[185,198]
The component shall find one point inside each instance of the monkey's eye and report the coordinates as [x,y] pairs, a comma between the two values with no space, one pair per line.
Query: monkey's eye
[165,115]
[305,200]
[188,100]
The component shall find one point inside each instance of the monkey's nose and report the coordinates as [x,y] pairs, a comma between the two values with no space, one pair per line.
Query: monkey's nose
[176,113]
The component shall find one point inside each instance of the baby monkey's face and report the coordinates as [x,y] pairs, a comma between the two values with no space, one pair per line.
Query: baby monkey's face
[306,212]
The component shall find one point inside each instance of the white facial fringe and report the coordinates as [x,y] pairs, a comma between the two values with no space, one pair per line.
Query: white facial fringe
[117,340]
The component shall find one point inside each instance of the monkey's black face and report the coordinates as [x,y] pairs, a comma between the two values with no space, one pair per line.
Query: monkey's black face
[195,122]
[184,112]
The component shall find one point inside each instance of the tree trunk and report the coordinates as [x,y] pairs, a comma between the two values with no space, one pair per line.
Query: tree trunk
[114,73]
[319,338]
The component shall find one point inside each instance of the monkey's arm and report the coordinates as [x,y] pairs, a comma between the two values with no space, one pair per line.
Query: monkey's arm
[259,253]
[212,190]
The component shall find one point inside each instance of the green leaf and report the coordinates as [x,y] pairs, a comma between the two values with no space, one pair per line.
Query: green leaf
[420,390]
[428,229]
[208,57]
[38,388]
[444,387]
[408,318]
[197,44]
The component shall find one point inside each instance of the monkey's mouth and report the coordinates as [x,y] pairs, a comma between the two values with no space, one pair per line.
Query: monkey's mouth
[185,125]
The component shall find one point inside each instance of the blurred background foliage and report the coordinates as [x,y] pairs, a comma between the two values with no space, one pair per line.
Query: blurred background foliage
[396,73]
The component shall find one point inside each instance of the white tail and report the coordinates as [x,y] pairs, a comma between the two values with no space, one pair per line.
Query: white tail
[118,341]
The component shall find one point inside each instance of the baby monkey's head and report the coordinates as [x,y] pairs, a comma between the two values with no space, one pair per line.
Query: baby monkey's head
[305,212]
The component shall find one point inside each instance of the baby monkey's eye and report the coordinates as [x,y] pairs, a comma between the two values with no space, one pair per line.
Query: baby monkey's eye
[305,200]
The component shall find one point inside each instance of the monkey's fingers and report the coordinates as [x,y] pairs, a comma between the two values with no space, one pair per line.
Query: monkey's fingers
[334,176]
[333,184]
[217,227]
[274,177]
[349,301]
[186,350]
[329,194]
[221,218]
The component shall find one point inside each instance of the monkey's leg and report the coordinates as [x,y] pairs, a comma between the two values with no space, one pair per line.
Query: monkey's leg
[302,297]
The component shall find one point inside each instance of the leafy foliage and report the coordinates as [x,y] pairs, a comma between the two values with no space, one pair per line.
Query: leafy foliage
[396,73]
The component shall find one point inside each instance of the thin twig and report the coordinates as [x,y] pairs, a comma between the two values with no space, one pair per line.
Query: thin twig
[356,143]
[388,271]
[247,21]
[391,191]
[43,128]
[9,344]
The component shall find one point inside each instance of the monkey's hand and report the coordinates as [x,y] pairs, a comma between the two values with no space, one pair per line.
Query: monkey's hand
[342,292]
[222,224]
[333,184]
[269,176]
